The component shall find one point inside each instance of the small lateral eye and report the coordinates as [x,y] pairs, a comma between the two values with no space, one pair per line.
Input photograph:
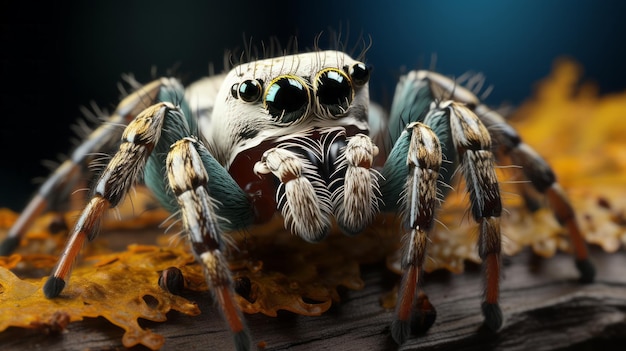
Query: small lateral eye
[333,90]
[287,98]
[249,90]
[359,73]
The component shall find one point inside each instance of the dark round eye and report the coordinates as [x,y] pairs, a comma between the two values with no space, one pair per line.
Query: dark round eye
[287,98]
[333,90]
[359,73]
[249,90]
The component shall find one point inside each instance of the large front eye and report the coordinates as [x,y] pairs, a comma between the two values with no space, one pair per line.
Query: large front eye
[333,90]
[287,98]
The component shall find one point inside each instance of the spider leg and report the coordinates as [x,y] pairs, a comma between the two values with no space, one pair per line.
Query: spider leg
[461,135]
[543,179]
[55,191]
[138,140]
[419,167]
[477,163]
[188,179]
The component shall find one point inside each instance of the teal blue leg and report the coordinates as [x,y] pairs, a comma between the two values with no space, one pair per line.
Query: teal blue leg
[413,167]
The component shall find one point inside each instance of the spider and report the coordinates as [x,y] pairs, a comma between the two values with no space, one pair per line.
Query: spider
[296,135]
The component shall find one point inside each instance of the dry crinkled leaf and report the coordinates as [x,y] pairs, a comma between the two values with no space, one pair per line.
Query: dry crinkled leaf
[120,287]
[287,273]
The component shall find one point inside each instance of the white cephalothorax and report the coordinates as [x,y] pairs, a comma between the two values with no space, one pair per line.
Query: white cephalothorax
[284,96]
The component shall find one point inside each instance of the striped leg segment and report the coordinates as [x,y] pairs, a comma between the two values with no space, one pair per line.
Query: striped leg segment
[543,179]
[188,179]
[123,170]
[54,192]
[419,201]
[473,143]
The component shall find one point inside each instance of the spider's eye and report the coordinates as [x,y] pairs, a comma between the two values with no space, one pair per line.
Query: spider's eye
[249,90]
[359,73]
[333,90]
[287,98]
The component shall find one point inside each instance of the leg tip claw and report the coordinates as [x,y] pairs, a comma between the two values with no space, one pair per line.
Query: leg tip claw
[53,287]
[424,315]
[242,341]
[400,331]
[493,316]
[587,271]
[172,280]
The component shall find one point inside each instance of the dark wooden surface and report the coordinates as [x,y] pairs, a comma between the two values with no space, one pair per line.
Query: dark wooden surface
[544,309]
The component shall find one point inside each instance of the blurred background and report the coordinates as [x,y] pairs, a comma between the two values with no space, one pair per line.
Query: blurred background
[58,56]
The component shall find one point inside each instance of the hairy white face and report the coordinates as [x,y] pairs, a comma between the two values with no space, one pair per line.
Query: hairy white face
[289,95]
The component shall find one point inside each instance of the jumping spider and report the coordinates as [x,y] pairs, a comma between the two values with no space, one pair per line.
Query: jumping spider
[292,134]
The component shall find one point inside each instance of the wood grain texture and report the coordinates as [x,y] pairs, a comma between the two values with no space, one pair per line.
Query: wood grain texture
[544,308]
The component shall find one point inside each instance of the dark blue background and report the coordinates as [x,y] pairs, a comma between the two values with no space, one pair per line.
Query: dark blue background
[57,56]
